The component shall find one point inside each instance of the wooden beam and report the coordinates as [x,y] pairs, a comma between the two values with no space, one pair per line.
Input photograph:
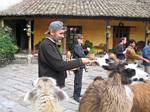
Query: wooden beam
[29,36]
[107,34]
[145,29]
[75,17]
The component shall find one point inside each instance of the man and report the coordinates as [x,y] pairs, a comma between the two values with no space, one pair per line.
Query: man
[121,48]
[50,62]
[78,52]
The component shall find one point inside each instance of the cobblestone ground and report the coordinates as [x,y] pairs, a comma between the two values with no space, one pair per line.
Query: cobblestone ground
[16,80]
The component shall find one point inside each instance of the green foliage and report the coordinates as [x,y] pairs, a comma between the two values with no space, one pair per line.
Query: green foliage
[61,50]
[88,44]
[7,47]
[92,50]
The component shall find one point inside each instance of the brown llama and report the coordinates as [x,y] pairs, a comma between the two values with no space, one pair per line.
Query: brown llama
[141,99]
[111,95]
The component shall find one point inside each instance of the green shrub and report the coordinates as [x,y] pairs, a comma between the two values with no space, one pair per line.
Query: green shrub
[7,47]
[88,44]
[92,51]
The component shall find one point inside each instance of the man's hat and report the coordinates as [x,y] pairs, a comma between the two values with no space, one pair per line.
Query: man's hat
[55,26]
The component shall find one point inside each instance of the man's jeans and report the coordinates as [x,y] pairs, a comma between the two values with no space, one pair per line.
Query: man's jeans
[77,83]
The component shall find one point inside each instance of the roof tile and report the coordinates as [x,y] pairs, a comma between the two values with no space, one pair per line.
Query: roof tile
[91,8]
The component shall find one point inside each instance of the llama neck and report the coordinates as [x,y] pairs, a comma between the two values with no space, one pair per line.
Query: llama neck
[116,97]
[116,80]
[46,103]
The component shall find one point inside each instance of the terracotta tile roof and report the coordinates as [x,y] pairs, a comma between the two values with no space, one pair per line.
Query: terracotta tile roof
[83,8]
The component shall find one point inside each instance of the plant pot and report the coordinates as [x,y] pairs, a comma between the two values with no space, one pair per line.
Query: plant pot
[91,56]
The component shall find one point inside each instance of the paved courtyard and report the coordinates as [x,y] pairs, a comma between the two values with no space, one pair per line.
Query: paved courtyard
[16,80]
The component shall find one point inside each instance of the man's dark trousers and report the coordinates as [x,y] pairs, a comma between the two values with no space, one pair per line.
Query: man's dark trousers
[77,83]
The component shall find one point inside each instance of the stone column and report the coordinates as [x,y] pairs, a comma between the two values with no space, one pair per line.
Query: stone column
[107,34]
[29,32]
[64,44]
[1,23]
[147,31]
[29,36]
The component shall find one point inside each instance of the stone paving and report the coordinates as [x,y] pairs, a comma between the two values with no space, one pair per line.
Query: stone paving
[16,80]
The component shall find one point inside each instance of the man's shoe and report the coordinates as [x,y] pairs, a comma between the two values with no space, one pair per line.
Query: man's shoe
[77,99]
[86,70]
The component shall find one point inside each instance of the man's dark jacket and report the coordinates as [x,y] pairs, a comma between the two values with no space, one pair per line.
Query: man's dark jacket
[78,52]
[51,64]
[119,51]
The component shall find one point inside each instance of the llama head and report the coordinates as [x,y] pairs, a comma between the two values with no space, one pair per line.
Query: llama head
[119,69]
[140,75]
[47,80]
[98,78]
[102,60]
[47,86]
[107,59]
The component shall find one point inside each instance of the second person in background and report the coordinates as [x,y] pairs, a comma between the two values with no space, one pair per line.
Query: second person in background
[78,52]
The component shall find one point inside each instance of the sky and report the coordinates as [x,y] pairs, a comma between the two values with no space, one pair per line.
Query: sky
[6,3]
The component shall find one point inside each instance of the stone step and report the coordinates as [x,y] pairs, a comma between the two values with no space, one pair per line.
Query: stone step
[25,59]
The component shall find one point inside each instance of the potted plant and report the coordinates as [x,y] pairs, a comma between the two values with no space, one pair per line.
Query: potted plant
[91,51]
[91,54]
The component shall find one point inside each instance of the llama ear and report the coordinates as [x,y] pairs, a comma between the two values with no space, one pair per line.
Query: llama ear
[26,97]
[107,60]
[34,83]
[108,67]
[106,56]
[135,65]
[98,78]
[30,96]
[61,94]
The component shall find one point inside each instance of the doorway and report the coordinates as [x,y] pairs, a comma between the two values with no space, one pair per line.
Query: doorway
[21,35]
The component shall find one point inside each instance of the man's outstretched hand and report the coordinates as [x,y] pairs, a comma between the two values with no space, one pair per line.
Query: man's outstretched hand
[87,61]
